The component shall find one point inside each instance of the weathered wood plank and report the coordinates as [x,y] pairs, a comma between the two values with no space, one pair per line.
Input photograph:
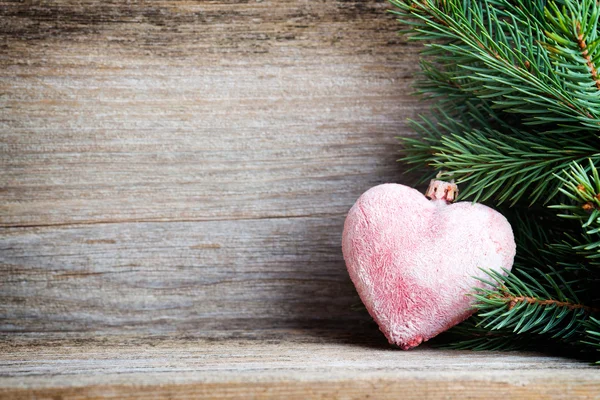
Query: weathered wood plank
[282,368]
[182,110]
[183,166]
[174,178]
[176,277]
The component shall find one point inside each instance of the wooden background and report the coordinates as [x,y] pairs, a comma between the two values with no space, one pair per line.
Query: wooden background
[177,170]
[185,166]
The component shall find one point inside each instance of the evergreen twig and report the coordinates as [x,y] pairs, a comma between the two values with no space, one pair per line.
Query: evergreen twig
[516,121]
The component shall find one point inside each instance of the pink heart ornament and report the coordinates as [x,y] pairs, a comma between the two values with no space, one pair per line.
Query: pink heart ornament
[413,260]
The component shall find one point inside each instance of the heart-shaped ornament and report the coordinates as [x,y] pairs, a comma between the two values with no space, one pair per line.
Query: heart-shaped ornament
[413,260]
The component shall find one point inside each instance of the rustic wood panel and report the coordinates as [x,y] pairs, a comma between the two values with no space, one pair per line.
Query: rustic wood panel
[174,179]
[185,166]
[174,278]
[182,110]
[281,368]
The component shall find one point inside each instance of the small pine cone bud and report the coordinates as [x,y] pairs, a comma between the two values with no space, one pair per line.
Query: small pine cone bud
[588,206]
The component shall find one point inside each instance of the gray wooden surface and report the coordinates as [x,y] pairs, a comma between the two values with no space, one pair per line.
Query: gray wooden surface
[174,180]
[282,368]
[185,166]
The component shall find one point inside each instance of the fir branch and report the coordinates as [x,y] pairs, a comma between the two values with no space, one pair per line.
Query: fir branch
[572,33]
[515,86]
[501,52]
[582,186]
[502,165]
[573,45]
[514,300]
[592,334]
[585,52]
[544,305]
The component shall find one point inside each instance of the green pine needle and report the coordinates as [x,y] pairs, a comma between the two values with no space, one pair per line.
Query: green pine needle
[515,121]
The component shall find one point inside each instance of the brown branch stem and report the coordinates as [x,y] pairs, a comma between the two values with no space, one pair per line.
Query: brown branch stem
[588,59]
[514,300]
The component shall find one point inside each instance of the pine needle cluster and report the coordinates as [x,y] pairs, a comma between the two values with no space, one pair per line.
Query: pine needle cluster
[514,89]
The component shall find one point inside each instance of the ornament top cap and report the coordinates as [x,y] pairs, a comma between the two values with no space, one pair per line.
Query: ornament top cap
[440,190]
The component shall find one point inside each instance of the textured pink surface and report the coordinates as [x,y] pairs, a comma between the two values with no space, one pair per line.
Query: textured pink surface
[413,260]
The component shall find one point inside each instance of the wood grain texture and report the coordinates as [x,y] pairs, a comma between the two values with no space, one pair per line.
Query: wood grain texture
[185,166]
[190,278]
[174,180]
[164,111]
[281,368]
